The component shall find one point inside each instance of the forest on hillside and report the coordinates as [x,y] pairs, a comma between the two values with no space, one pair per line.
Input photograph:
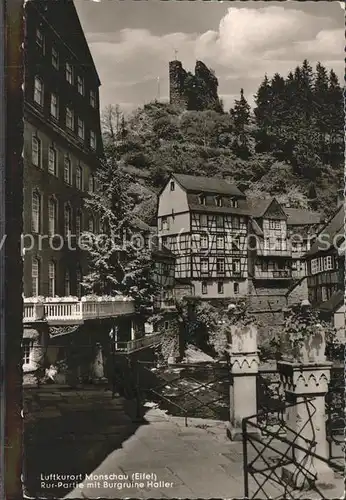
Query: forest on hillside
[290,145]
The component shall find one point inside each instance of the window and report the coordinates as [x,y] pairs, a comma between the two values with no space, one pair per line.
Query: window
[165,223]
[92,139]
[80,84]
[55,58]
[35,277]
[67,220]
[236,266]
[67,283]
[220,266]
[204,244]
[219,221]
[52,160]
[79,283]
[93,98]
[328,263]
[91,224]
[202,199]
[204,287]
[28,345]
[264,266]
[38,91]
[218,201]
[236,288]
[166,325]
[80,128]
[67,170]
[91,187]
[51,279]
[204,266]
[78,223]
[172,185]
[220,287]
[69,73]
[314,266]
[52,216]
[203,220]
[54,110]
[79,177]
[220,242]
[234,203]
[36,212]
[36,151]
[274,224]
[69,119]
[40,40]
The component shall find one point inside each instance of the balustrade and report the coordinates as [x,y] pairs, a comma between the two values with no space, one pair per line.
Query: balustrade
[74,310]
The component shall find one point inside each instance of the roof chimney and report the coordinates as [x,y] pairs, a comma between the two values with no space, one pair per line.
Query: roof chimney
[340,197]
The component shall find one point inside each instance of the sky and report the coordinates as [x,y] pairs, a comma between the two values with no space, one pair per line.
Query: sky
[132,42]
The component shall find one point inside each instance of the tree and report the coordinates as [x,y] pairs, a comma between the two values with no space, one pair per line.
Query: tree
[119,262]
[240,114]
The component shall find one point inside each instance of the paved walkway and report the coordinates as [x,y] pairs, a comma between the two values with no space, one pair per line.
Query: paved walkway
[160,458]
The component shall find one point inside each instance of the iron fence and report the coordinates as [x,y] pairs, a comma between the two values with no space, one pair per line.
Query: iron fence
[186,390]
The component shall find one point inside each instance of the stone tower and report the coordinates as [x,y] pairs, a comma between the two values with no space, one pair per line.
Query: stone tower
[177,76]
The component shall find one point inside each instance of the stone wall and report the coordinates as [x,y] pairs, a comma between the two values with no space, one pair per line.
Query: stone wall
[298,293]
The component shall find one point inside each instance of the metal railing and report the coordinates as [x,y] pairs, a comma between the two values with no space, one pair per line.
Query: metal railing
[136,344]
[181,394]
[272,451]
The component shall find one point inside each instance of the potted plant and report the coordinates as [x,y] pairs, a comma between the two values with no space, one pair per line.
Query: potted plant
[305,335]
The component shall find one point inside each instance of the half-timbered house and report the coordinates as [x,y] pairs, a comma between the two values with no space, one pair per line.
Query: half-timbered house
[269,254]
[302,226]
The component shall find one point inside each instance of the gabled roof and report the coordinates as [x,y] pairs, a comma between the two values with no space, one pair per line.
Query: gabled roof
[300,217]
[210,185]
[258,207]
[335,226]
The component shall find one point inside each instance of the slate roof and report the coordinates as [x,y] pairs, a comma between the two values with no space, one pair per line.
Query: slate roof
[333,227]
[207,185]
[335,301]
[299,217]
[259,206]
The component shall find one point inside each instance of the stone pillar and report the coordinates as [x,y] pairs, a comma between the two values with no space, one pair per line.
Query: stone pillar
[98,368]
[307,419]
[244,369]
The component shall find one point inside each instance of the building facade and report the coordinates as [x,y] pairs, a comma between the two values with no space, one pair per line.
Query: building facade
[302,226]
[62,144]
[229,246]
[325,263]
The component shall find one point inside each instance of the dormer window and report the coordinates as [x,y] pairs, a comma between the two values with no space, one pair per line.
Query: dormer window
[218,201]
[172,185]
[202,199]
[234,203]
